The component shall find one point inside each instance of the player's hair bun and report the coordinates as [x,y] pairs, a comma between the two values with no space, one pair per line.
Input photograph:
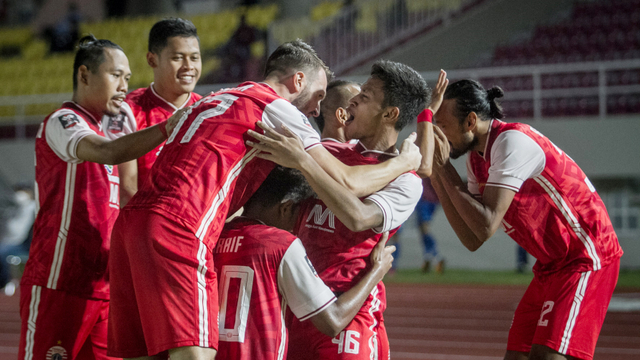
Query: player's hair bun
[87,39]
[494,92]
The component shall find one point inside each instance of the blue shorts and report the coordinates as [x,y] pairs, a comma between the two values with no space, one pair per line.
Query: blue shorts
[425,210]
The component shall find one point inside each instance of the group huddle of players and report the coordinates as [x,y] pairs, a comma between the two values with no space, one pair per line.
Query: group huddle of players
[298,274]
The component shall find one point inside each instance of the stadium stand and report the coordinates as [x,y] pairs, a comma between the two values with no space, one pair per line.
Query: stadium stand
[50,73]
[598,31]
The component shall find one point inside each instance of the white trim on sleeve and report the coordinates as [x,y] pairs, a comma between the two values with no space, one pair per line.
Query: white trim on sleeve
[515,157]
[280,111]
[305,293]
[64,130]
[397,200]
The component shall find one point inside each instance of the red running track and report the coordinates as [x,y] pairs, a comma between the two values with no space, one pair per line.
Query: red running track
[432,322]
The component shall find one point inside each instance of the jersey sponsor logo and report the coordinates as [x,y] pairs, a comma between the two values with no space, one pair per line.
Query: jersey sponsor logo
[313,270]
[68,120]
[116,123]
[57,353]
[305,120]
[320,217]
[109,169]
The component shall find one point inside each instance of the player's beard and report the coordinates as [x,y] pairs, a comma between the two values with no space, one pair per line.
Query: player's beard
[301,101]
[456,153]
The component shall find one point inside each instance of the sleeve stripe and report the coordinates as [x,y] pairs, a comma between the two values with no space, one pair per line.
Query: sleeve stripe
[511,187]
[318,310]
[312,146]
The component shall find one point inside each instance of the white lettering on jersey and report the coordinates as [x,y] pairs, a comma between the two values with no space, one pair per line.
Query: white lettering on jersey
[347,342]
[114,188]
[231,244]
[506,227]
[320,216]
[235,286]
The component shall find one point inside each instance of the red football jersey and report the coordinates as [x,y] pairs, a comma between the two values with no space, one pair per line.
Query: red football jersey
[143,108]
[262,270]
[339,254]
[196,171]
[556,214]
[78,204]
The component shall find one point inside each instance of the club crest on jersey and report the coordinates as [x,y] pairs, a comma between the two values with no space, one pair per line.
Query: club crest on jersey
[305,120]
[109,169]
[116,123]
[57,353]
[68,120]
[313,270]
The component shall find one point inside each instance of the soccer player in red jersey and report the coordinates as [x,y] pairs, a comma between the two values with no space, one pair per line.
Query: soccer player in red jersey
[64,299]
[333,110]
[263,269]
[392,97]
[161,265]
[174,56]
[522,182]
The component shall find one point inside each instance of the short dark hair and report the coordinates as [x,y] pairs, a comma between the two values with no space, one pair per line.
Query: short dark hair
[471,96]
[168,28]
[282,184]
[297,56]
[90,54]
[337,96]
[403,88]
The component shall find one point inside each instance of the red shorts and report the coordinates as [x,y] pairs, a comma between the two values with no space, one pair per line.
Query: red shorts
[55,322]
[365,337]
[564,311]
[164,292]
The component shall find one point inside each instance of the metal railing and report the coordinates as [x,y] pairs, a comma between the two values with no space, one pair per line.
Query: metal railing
[367,28]
[602,90]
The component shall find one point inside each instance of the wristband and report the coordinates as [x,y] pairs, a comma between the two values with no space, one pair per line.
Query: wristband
[425,115]
[163,129]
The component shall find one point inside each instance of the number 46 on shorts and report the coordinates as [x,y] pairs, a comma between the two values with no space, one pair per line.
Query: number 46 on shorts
[347,342]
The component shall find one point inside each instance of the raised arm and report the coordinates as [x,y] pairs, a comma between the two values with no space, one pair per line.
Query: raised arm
[474,221]
[425,139]
[355,214]
[363,180]
[287,150]
[338,315]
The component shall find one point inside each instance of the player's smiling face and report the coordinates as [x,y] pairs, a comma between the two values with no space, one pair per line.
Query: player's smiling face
[108,85]
[177,68]
[365,110]
[461,140]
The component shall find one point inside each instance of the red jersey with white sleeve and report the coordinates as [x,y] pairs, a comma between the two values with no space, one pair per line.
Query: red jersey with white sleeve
[143,108]
[78,204]
[556,214]
[339,254]
[200,162]
[261,271]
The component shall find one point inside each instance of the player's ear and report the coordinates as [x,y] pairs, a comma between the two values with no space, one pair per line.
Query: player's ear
[152,59]
[299,81]
[83,75]
[391,114]
[471,121]
[342,115]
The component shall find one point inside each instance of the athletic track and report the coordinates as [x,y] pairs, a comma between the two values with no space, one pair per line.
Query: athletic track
[433,322]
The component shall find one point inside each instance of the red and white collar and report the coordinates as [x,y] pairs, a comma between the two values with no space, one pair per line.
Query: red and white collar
[153,90]
[85,111]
